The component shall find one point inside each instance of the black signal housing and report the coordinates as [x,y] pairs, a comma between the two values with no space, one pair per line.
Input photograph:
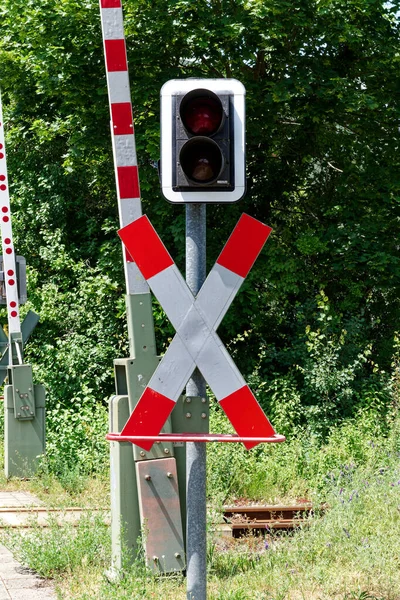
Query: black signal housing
[202,140]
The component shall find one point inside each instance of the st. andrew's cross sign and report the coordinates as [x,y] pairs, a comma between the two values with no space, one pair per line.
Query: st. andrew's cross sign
[195,320]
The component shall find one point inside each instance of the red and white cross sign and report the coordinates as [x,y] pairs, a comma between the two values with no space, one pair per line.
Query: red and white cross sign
[195,320]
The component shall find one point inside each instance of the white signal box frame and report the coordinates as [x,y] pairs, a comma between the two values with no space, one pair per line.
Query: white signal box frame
[175,87]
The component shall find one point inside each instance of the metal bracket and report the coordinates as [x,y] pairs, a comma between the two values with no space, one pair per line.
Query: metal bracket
[21,380]
[131,375]
[27,327]
[3,350]
[17,348]
[191,414]
[160,515]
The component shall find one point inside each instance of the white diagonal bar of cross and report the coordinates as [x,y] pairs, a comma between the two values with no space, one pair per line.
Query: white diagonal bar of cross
[195,321]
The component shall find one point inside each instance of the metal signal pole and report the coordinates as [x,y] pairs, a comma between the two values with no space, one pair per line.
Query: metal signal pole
[196,539]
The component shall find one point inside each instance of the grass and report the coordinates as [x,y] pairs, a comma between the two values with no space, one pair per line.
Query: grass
[68,489]
[351,553]
[62,549]
[352,550]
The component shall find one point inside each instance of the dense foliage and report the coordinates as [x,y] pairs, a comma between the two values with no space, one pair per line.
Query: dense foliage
[314,327]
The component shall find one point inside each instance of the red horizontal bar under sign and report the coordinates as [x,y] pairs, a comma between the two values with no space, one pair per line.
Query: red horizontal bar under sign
[194,437]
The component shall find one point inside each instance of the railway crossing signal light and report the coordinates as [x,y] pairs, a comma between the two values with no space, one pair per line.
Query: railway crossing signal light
[203,140]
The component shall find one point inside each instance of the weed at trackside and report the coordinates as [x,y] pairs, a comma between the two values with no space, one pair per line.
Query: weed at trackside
[351,553]
[53,550]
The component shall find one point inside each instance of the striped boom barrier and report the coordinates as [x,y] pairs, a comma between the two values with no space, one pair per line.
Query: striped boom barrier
[122,130]
[195,321]
[10,274]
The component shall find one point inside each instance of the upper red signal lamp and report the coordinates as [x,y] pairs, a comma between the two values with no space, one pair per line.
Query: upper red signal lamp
[201,112]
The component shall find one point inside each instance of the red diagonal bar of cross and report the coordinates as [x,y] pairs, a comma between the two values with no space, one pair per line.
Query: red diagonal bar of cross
[195,321]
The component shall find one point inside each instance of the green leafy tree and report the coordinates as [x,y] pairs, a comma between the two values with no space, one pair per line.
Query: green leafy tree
[323,171]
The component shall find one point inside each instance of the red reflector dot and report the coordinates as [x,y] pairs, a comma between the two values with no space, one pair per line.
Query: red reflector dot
[11,282]
[1,155]
[6,219]
[7,241]
[14,313]
[13,304]
[8,250]
[3,187]
[2,177]
[10,272]
[4,209]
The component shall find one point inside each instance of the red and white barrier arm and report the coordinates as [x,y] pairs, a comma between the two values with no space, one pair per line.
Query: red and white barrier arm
[122,130]
[9,262]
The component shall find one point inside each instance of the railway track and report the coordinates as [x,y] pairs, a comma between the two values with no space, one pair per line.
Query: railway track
[27,517]
[242,519]
[237,520]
